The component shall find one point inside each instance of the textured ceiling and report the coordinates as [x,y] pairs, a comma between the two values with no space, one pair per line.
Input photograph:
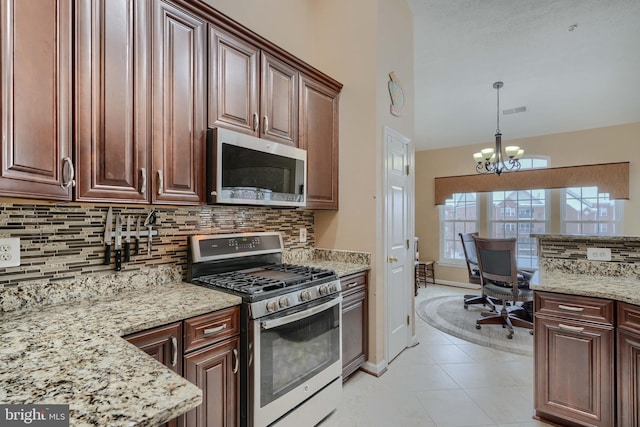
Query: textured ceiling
[568,80]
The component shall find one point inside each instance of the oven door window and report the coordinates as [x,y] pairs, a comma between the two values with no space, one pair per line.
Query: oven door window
[292,353]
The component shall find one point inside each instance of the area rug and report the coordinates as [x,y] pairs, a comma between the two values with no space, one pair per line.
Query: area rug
[447,314]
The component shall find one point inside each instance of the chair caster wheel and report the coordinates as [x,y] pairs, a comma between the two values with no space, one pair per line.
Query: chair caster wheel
[466,307]
[477,326]
[531,332]
[510,337]
[503,326]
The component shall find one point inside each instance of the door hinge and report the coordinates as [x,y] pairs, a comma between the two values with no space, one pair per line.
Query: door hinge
[408,320]
[407,167]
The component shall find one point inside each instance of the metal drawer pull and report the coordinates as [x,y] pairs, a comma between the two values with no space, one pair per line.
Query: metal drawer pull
[235,363]
[72,173]
[266,124]
[143,186]
[174,343]
[255,122]
[160,183]
[570,328]
[216,329]
[568,308]
[351,285]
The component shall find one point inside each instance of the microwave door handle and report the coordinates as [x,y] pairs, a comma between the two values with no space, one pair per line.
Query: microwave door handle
[274,323]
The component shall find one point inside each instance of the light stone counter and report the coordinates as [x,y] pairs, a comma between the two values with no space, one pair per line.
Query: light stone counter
[565,266]
[343,262]
[73,354]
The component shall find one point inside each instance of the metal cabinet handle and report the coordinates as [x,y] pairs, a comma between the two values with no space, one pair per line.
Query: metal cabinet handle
[160,182]
[255,122]
[235,363]
[351,285]
[143,185]
[570,328]
[174,343]
[72,173]
[216,329]
[266,124]
[393,259]
[568,308]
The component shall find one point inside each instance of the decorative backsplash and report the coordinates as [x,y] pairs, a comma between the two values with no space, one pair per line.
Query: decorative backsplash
[65,241]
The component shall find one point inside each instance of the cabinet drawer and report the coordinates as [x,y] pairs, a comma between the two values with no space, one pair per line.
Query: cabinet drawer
[574,307]
[210,328]
[629,317]
[353,283]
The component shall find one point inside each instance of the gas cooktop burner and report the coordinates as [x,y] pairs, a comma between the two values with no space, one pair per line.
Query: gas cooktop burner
[265,279]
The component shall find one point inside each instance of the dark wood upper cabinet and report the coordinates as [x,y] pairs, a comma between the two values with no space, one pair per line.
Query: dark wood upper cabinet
[179,103]
[319,136]
[279,101]
[35,99]
[251,91]
[234,72]
[113,90]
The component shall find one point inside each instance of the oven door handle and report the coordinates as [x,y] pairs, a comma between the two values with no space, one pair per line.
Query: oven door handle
[274,323]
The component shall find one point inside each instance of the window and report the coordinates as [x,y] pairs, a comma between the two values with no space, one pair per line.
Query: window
[531,206]
[509,211]
[587,211]
[458,215]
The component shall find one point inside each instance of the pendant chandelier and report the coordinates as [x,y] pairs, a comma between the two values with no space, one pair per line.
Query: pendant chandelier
[491,160]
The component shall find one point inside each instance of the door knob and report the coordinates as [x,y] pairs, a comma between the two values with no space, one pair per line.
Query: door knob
[393,259]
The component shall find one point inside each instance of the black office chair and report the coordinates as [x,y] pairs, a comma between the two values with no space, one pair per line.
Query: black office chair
[500,279]
[469,249]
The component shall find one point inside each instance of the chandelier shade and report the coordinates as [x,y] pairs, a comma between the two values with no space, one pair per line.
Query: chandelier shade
[492,160]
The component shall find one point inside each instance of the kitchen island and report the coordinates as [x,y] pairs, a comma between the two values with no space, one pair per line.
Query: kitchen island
[72,353]
[587,334]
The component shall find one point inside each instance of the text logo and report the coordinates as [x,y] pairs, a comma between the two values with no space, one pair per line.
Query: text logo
[34,415]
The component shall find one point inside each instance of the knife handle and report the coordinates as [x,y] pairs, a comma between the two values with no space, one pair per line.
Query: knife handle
[127,252]
[137,248]
[107,255]
[118,259]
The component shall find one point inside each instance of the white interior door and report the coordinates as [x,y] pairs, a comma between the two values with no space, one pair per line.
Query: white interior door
[398,247]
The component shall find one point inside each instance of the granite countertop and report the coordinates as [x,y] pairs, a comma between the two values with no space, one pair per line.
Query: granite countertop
[619,288]
[343,262]
[74,354]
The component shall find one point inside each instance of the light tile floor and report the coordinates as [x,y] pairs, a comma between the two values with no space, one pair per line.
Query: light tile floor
[442,382]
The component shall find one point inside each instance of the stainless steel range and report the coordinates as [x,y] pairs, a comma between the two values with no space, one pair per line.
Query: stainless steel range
[290,327]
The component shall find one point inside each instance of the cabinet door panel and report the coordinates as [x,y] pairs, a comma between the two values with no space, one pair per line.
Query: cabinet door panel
[35,98]
[233,83]
[179,129]
[279,101]
[574,371]
[112,100]
[212,369]
[319,136]
[628,378]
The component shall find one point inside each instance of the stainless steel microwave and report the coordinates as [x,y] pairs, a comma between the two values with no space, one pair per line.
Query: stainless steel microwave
[244,169]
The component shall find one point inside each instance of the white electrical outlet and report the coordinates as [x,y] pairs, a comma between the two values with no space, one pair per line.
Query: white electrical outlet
[599,254]
[303,235]
[9,252]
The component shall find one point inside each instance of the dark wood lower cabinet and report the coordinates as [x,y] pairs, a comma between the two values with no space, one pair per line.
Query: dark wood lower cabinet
[575,377]
[355,329]
[164,344]
[215,370]
[205,350]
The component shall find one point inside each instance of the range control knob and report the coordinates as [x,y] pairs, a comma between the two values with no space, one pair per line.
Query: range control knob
[305,295]
[272,306]
[333,287]
[284,302]
[323,289]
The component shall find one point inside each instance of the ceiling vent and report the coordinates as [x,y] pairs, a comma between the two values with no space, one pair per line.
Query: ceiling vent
[514,110]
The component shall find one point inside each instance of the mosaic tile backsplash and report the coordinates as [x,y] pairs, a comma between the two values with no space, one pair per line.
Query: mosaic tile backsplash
[65,241]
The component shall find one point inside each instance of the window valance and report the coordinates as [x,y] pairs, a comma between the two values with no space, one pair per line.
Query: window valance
[612,178]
